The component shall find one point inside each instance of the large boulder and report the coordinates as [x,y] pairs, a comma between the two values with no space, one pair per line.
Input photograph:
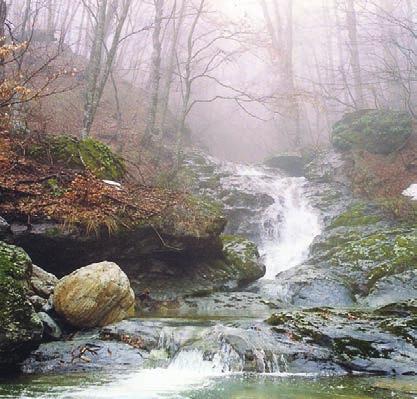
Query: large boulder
[20,328]
[95,295]
[243,256]
[376,131]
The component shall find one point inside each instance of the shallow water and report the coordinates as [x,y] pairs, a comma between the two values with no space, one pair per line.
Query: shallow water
[172,384]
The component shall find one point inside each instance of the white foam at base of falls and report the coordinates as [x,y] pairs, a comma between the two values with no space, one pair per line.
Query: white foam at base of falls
[187,370]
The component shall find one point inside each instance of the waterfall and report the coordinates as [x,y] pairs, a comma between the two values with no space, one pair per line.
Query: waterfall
[291,226]
[287,225]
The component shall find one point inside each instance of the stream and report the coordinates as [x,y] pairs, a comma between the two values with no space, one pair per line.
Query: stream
[284,224]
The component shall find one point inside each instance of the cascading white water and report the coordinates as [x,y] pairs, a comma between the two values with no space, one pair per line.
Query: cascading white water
[285,244]
[288,226]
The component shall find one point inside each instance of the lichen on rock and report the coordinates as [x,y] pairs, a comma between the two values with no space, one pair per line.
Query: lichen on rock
[243,255]
[20,328]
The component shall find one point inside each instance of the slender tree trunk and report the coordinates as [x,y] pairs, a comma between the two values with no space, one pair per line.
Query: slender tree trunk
[155,77]
[51,17]
[93,69]
[187,82]
[3,15]
[354,54]
[26,18]
[171,63]
[80,33]
[99,72]
[289,74]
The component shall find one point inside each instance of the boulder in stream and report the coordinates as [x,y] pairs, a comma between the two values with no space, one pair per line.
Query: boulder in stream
[95,295]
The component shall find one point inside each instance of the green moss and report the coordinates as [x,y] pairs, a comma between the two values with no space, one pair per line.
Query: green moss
[87,154]
[19,324]
[355,216]
[243,256]
[352,347]
[377,131]
[392,252]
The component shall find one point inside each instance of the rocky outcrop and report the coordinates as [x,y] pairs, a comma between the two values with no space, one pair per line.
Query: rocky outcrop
[291,163]
[381,342]
[376,131]
[362,258]
[243,255]
[177,254]
[95,295]
[20,327]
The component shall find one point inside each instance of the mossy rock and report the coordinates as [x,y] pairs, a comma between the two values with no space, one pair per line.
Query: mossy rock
[388,253]
[20,327]
[88,154]
[376,131]
[243,255]
[356,215]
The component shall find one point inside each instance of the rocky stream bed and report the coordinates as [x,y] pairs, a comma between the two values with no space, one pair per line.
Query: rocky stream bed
[330,292]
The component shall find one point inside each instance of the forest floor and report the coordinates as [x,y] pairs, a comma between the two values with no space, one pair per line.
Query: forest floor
[31,189]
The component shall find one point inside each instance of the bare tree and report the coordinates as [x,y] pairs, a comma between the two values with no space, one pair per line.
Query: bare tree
[100,64]
[155,77]
[351,22]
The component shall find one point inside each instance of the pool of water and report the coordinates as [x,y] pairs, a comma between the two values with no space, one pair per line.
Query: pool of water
[170,384]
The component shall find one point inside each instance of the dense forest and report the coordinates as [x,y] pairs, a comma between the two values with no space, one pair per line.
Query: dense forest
[208,199]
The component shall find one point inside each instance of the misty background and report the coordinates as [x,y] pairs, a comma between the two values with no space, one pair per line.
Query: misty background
[243,79]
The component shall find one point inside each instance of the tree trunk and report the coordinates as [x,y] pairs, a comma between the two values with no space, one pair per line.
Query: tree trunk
[354,54]
[171,63]
[93,69]
[155,77]
[3,15]
[294,109]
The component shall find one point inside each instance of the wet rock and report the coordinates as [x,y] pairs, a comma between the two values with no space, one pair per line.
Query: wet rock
[51,330]
[38,302]
[357,341]
[20,327]
[85,352]
[394,288]
[309,285]
[243,255]
[4,228]
[95,295]
[328,166]
[42,282]
[291,163]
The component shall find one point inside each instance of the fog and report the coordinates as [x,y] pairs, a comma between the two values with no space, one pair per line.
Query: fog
[243,79]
